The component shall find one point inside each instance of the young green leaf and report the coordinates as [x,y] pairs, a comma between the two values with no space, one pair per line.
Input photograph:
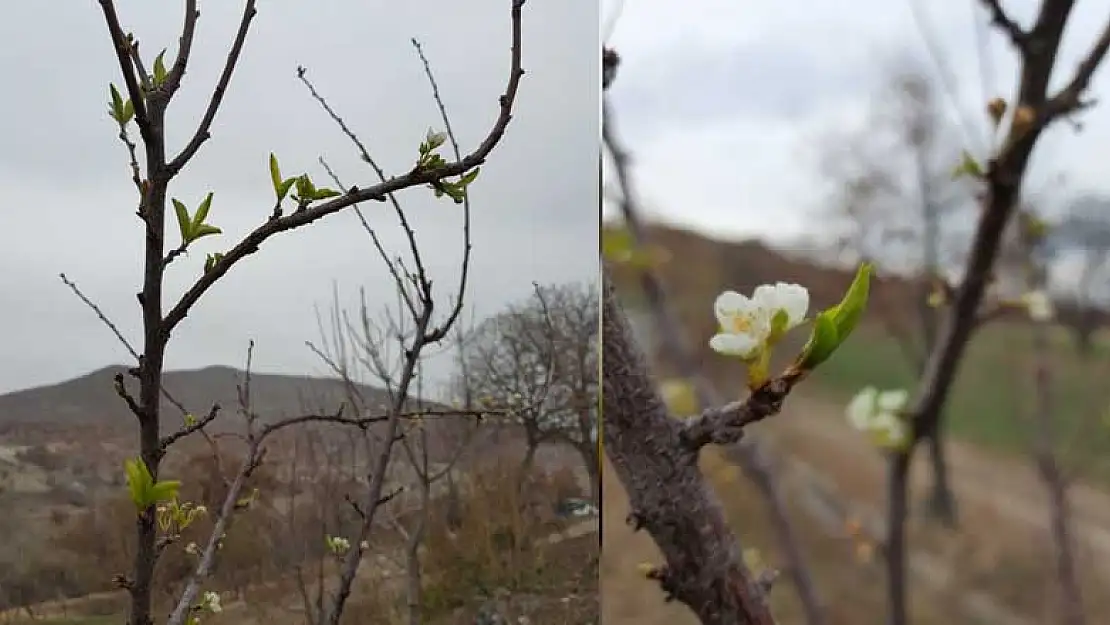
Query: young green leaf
[325,193]
[159,69]
[968,166]
[833,326]
[850,309]
[138,481]
[128,111]
[117,99]
[822,342]
[470,176]
[163,491]
[304,188]
[617,244]
[202,211]
[184,224]
[283,188]
[115,109]
[209,262]
[204,230]
[275,177]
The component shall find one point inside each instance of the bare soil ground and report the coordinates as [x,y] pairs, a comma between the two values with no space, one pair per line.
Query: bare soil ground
[995,569]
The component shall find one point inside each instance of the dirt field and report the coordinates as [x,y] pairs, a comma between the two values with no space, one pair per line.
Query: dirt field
[996,569]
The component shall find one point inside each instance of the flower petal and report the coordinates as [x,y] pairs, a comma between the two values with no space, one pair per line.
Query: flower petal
[861,410]
[892,400]
[790,298]
[742,345]
[794,299]
[729,304]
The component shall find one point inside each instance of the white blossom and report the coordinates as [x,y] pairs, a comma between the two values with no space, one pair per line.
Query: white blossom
[792,299]
[746,322]
[1039,305]
[211,601]
[878,413]
[337,544]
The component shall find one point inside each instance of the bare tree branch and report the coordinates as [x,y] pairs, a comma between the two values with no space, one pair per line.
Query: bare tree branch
[417,176]
[1004,176]
[122,45]
[1068,99]
[173,81]
[1006,24]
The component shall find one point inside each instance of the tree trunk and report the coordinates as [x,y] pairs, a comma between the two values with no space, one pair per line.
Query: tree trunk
[593,469]
[413,582]
[1071,599]
[526,465]
[896,554]
[941,504]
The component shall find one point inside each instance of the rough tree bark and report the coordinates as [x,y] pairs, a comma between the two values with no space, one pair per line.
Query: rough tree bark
[668,494]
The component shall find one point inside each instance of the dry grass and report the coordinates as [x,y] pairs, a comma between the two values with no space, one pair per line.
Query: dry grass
[995,560]
[500,555]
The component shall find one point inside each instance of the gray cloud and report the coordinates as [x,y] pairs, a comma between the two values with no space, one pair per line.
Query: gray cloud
[728,109]
[69,205]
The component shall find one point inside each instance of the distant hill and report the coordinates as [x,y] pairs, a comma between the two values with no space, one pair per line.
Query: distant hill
[87,407]
[700,267]
[91,399]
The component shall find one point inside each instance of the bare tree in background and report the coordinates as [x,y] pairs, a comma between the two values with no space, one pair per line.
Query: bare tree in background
[299,201]
[540,360]
[431,458]
[1045,436]
[901,207]
[1032,109]
[1085,228]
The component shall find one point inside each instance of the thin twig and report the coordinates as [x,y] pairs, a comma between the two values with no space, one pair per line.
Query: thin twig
[100,313]
[1006,24]
[202,133]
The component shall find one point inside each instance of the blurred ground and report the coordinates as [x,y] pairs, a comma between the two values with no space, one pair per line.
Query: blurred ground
[996,568]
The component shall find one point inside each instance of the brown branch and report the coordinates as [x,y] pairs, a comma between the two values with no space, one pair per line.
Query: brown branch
[1006,24]
[464,271]
[378,192]
[123,56]
[753,458]
[100,314]
[724,425]
[1069,99]
[1005,173]
[410,235]
[667,492]
[121,390]
[202,134]
[184,46]
[187,430]
[119,335]
[390,265]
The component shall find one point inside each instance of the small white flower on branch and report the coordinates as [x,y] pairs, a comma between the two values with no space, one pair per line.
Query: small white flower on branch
[337,544]
[1039,305]
[879,414]
[750,324]
[211,601]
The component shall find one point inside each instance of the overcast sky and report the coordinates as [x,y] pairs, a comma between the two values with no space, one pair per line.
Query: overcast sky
[69,204]
[727,108]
